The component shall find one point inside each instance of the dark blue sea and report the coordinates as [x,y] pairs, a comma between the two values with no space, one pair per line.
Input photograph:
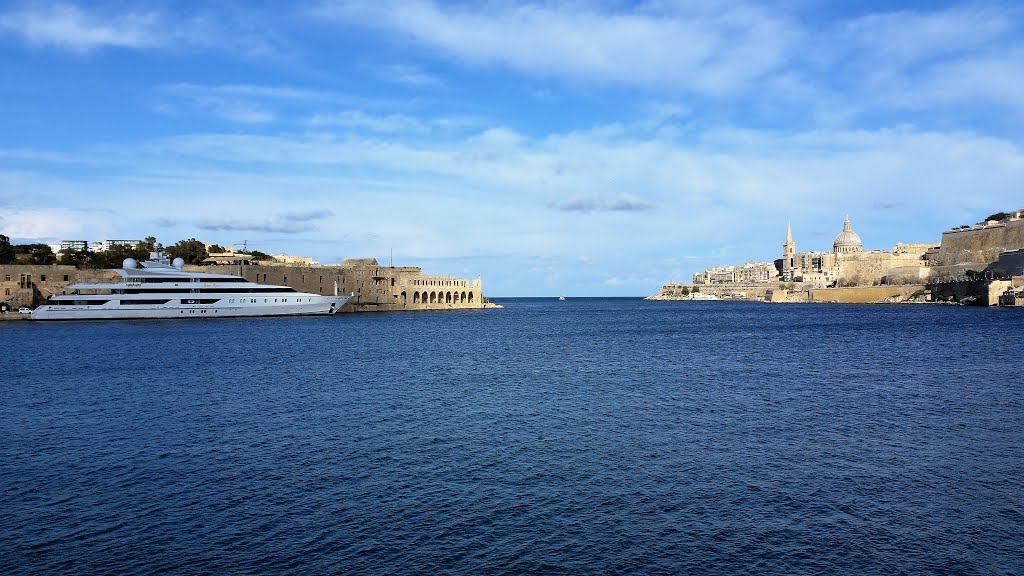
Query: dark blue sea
[591,436]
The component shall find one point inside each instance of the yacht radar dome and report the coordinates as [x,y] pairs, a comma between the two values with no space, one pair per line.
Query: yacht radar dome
[178,263]
[129,263]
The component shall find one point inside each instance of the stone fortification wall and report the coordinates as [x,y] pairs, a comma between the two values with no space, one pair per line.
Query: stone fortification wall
[976,292]
[751,291]
[873,268]
[864,294]
[1010,263]
[907,275]
[29,285]
[376,288]
[979,245]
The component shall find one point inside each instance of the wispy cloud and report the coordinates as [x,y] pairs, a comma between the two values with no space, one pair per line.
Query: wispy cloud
[286,223]
[235,225]
[69,27]
[355,119]
[84,28]
[621,203]
[245,91]
[707,50]
[408,75]
[836,69]
[238,103]
[306,216]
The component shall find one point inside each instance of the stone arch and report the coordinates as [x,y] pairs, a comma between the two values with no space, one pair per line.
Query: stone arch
[448,298]
[470,297]
[433,297]
[462,298]
[415,297]
[403,298]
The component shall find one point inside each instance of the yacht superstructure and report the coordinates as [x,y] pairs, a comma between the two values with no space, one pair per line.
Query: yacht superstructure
[158,289]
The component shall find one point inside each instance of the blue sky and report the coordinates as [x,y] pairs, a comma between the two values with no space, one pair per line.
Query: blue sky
[578,148]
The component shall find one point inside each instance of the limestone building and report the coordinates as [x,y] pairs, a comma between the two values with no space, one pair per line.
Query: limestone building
[848,264]
[375,287]
[749,273]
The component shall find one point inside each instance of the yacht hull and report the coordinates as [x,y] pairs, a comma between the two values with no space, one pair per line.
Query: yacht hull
[316,305]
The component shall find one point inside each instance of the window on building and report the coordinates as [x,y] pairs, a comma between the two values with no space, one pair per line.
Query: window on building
[42,277]
[7,291]
[7,277]
[65,277]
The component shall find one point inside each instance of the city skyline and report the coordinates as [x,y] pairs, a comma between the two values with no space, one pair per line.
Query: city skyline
[580,148]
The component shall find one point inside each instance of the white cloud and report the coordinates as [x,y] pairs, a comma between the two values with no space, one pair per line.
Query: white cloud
[408,75]
[592,203]
[904,38]
[733,190]
[355,119]
[716,49]
[67,26]
[44,224]
[86,28]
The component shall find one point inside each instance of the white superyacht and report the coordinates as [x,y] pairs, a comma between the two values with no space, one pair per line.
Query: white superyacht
[158,289]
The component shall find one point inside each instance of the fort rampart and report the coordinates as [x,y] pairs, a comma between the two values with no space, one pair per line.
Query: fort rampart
[979,245]
[375,288]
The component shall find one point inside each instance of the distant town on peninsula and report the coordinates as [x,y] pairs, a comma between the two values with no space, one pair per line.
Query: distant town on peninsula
[981,264]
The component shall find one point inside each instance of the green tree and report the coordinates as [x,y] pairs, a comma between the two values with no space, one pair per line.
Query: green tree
[7,255]
[35,254]
[192,251]
[115,256]
[77,258]
[261,256]
[149,243]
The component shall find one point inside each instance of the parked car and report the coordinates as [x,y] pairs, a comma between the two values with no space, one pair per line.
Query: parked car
[25,310]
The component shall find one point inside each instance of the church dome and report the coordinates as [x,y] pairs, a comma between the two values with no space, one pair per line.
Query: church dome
[848,240]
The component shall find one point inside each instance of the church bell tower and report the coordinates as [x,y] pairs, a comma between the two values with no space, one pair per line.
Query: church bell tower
[788,254]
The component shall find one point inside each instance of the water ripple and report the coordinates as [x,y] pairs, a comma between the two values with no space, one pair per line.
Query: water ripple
[583,437]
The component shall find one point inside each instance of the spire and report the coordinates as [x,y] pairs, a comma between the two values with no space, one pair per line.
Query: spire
[789,233]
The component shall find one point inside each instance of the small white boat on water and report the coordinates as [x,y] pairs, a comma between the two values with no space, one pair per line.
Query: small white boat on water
[159,289]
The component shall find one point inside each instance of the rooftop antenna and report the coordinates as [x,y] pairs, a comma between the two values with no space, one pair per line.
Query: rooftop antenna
[392,258]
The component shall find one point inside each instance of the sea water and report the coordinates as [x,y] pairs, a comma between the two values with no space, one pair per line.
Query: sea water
[589,436]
